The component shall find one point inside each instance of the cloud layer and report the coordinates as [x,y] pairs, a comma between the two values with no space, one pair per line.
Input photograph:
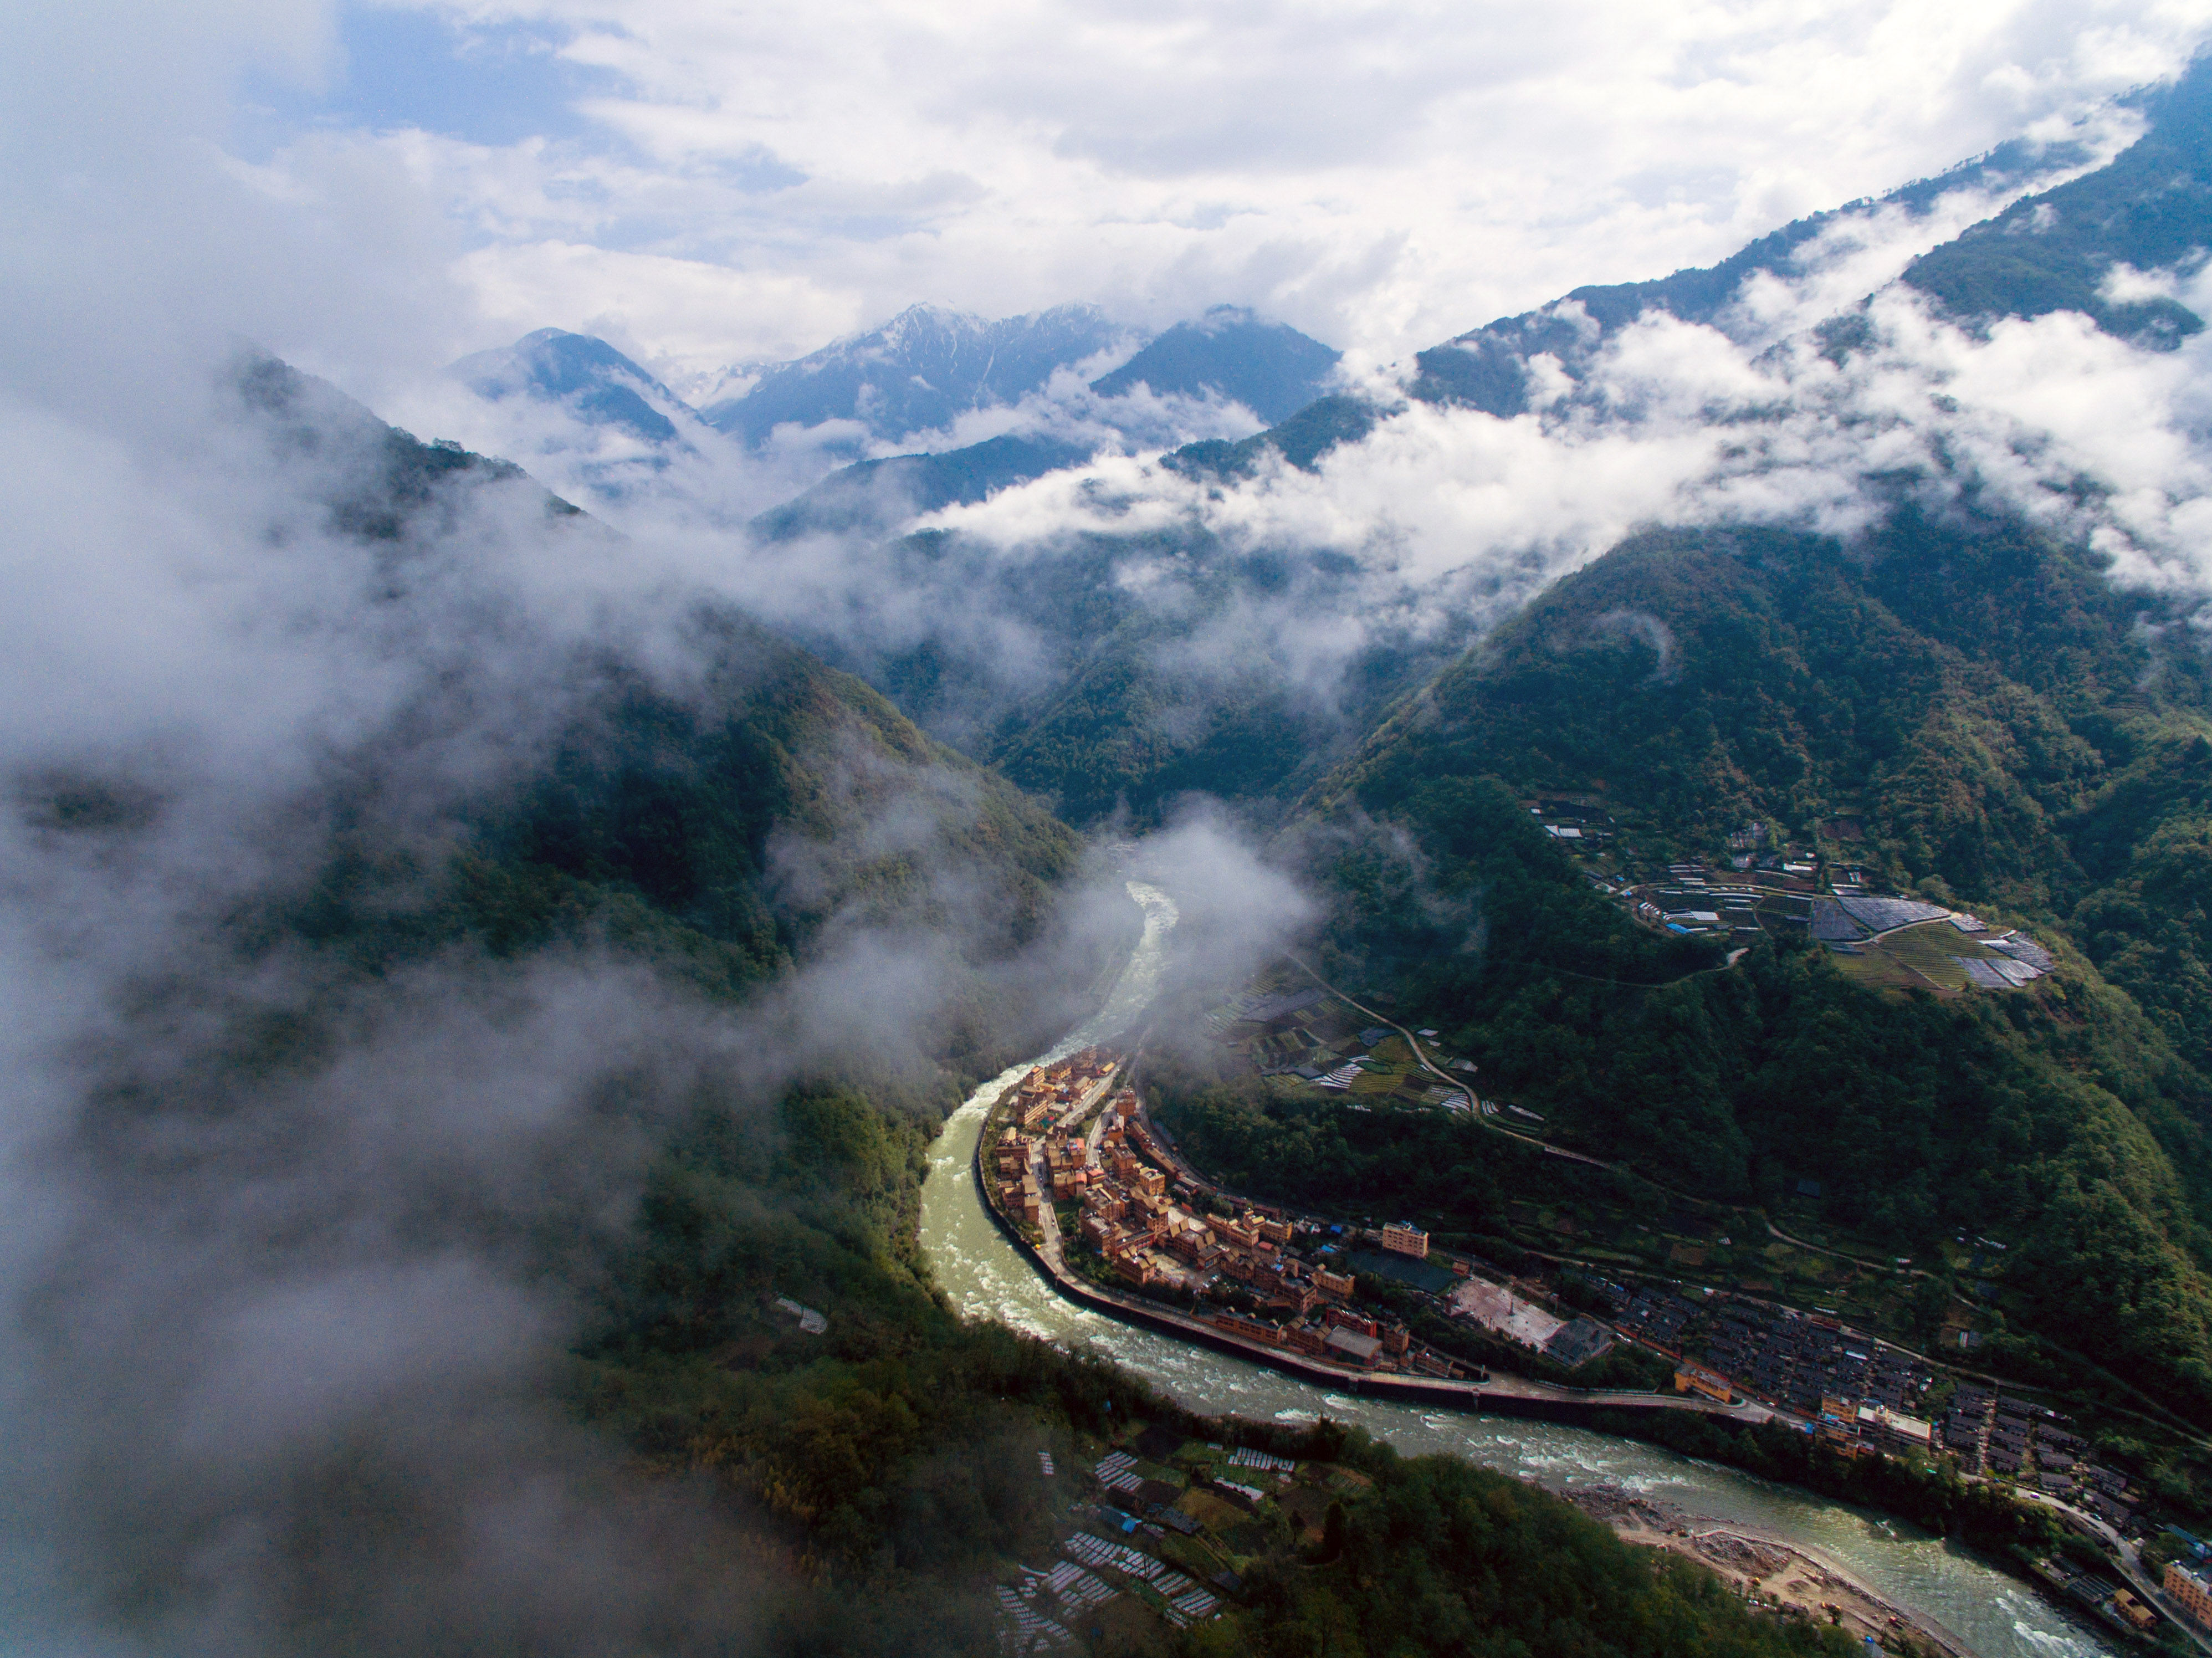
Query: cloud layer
[723,186]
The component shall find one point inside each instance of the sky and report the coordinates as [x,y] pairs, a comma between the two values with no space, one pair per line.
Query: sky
[705,184]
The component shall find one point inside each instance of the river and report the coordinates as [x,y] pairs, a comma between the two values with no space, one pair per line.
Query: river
[986,1277]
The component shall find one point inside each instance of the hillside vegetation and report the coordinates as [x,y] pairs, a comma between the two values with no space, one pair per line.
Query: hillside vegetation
[859,1484]
[2008,734]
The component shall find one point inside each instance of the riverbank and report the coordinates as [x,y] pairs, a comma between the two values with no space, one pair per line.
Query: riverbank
[985,1274]
[1769,1570]
[1818,1588]
[1499,1395]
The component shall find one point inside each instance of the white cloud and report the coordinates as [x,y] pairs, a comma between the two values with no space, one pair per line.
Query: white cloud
[750,183]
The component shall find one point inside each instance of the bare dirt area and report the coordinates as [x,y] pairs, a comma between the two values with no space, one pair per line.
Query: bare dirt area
[1496,1307]
[1768,1572]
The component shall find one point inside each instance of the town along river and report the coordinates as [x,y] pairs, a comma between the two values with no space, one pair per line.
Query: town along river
[986,1277]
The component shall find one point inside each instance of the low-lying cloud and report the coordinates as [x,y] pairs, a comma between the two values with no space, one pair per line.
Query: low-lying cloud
[298,1242]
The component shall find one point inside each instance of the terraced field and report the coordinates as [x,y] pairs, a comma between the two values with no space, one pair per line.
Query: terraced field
[1922,957]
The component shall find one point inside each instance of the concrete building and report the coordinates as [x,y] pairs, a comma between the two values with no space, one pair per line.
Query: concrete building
[2189,1590]
[1893,1431]
[1406,1240]
[1351,1347]
[1697,1379]
[2132,1612]
[1251,1328]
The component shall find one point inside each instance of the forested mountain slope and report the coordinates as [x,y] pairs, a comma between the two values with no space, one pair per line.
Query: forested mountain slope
[2048,250]
[607,988]
[1165,672]
[2149,210]
[2005,727]
[1112,673]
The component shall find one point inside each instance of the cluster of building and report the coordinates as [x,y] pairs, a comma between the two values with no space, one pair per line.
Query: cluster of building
[1159,1233]
[1995,1433]
[1864,1395]
[1044,1111]
[1063,1092]
[1806,1362]
[1343,1336]
[1691,900]
[1853,1425]
[1838,909]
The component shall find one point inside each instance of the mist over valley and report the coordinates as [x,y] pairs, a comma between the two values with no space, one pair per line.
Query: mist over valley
[1636,872]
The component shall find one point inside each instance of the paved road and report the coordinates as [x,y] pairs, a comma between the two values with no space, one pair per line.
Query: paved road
[1457,1085]
[2129,1561]
[1047,1218]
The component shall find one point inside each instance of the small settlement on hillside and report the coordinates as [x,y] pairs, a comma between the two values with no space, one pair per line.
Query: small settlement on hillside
[1165,1525]
[1824,890]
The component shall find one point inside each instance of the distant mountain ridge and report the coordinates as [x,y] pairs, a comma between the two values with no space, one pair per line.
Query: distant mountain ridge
[878,493]
[601,385]
[1230,352]
[919,371]
[2046,251]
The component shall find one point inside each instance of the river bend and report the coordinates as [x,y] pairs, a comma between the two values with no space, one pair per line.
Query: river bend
[986,1277]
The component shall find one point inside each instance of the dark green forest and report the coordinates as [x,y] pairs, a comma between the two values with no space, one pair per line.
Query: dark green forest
[2012,737]
[1442,1558]
[2050,251]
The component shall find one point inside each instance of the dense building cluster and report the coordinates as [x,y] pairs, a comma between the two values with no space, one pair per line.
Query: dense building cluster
[1833,904]
[1996,1433]
[1789,1358]
[1271,1279]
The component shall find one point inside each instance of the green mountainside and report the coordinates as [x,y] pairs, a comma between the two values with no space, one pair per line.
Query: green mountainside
[861,1484]
[1141,670]
[1135,703]
[1486,368]
[2150,209]
[1992,711]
